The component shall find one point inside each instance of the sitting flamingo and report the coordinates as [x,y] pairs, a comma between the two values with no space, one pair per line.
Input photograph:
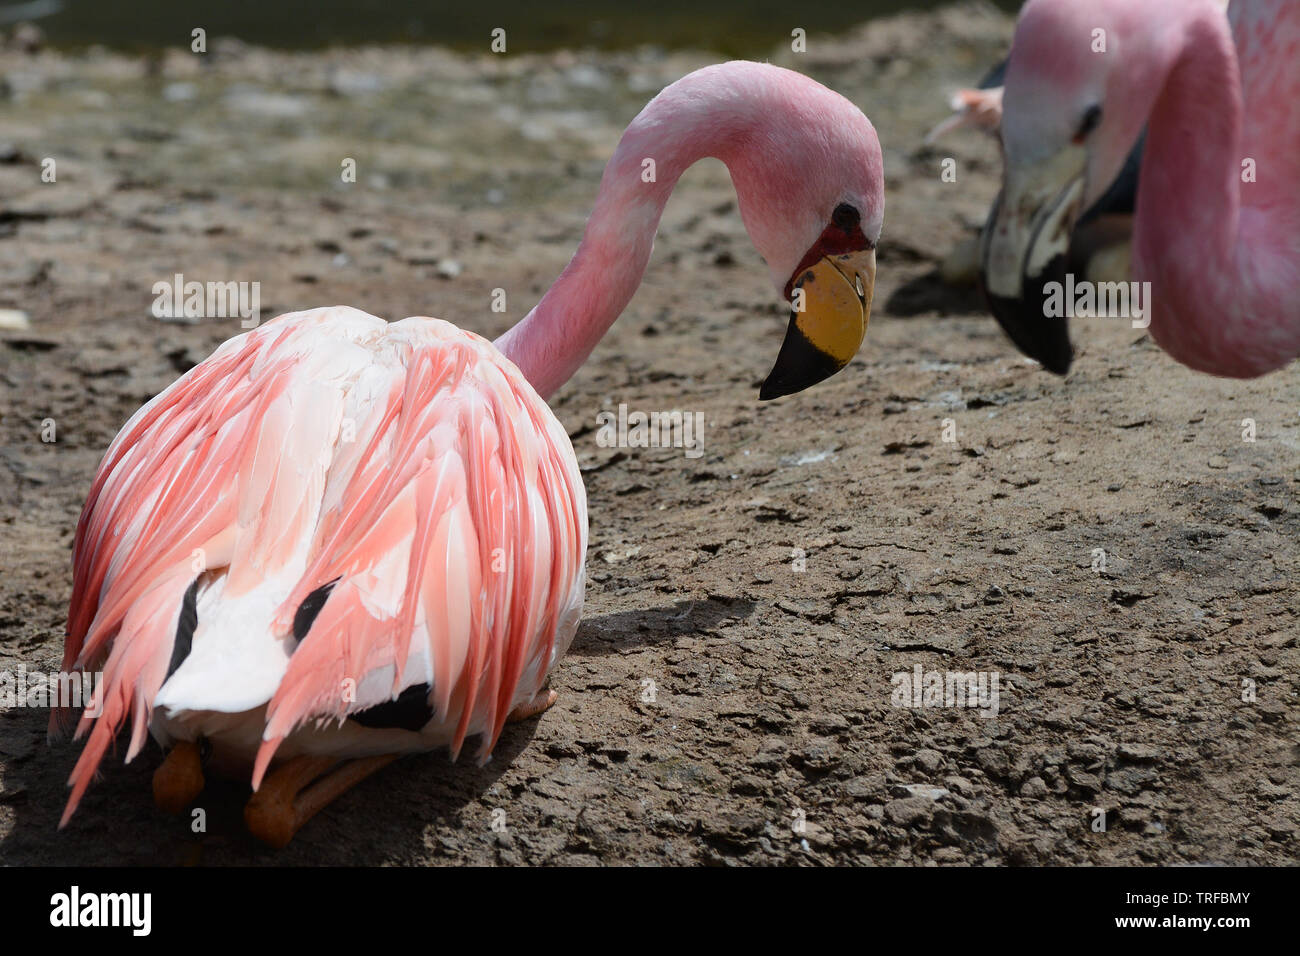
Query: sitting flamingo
[342,540]
[1217,228]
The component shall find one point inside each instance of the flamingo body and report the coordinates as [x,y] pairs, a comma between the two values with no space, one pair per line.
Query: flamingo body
[410,463]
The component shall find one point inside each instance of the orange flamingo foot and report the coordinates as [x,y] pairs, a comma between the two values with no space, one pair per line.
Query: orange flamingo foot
[294,793]
[540,703]
[180,778]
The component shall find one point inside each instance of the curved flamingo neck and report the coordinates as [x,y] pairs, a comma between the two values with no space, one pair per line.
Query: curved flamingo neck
[1221,280]
[673,132]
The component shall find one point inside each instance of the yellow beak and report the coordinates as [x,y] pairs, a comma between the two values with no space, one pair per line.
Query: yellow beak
[831,308]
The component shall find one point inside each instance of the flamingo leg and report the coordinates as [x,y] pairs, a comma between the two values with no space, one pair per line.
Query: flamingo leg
[542,702]
[296,792]
[179,779]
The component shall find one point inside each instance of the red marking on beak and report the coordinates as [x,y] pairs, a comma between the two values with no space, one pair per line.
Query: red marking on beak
[836,239]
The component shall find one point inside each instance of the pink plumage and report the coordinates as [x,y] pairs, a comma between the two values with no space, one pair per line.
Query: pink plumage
[409,462]
[1220,241]
[333,512]
[1217,224]
[980,109]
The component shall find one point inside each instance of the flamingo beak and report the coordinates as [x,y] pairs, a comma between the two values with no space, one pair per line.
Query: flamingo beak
[1024,248]
[832,304]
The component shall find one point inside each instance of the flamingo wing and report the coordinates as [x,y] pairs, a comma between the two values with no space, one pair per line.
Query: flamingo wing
[328,511]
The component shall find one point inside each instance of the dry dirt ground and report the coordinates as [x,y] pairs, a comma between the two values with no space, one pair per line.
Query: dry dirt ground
[771,736]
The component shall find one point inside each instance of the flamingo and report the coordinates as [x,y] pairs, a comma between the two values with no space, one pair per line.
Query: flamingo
[1099,240]
[339,540]
[979,108]
[1217,225]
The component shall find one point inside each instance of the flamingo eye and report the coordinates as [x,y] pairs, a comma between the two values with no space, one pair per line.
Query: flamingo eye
[846,217]
[1089,123]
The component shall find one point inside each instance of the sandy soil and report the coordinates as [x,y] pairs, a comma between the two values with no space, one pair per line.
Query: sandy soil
[1121,689]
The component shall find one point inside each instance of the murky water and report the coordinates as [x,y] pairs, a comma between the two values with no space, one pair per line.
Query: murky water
[749,28]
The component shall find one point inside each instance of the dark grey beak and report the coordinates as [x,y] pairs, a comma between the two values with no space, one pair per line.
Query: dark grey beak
[1025,249]
[1044,338]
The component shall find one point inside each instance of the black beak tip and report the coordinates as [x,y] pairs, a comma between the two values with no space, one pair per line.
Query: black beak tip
[1059,364]
[1044,338]
[799,365]
[777,385]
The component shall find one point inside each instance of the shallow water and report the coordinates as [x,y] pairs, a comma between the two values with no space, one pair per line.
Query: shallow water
[747,29]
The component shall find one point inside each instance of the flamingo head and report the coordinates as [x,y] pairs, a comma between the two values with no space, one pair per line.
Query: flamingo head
[809,179]
[1081,83]
[830,294]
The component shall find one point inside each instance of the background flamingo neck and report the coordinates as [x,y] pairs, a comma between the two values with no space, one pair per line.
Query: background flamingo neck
[675,130]
[1193,238]
[1189,180]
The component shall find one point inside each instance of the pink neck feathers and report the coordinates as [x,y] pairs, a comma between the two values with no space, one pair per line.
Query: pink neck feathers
[1220,252]
[707,114]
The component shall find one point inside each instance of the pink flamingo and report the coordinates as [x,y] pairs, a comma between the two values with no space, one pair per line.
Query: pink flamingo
[979,108]
[1217,227]
[339,540]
